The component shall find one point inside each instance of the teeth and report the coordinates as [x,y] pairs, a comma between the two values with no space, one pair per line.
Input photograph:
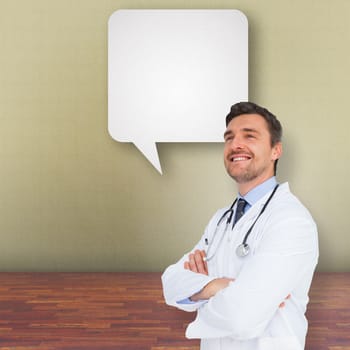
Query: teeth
[239,158]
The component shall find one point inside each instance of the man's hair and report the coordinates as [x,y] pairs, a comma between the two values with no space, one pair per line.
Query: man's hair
[274,126]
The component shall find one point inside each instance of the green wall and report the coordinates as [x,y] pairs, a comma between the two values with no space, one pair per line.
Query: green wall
[72,199]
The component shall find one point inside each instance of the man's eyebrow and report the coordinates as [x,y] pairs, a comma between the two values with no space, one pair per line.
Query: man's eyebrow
[227,132]
[230,132]
[250,130]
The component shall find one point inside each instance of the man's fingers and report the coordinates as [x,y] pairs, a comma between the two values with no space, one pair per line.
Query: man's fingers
[196,262]
[199,262]
[205,264]
[192,262]
[283,304]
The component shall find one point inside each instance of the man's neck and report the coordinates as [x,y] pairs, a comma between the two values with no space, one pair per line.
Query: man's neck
[244,188]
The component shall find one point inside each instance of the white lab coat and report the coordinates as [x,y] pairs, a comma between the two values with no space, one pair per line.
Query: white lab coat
[282,260]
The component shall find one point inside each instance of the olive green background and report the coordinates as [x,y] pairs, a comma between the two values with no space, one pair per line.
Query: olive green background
[73,199]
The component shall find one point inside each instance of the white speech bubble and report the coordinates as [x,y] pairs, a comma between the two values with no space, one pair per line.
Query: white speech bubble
[173,75]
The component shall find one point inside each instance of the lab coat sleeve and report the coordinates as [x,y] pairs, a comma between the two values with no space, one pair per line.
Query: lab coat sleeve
[286,256]
[179,283]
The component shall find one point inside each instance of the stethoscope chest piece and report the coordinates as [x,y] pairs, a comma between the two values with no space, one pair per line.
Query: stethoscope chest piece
[243,250]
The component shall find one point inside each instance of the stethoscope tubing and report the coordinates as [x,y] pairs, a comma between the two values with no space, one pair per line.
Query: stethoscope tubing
[261,212]
[243,249]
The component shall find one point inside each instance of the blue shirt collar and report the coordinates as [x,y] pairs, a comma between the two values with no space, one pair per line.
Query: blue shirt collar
[259,191]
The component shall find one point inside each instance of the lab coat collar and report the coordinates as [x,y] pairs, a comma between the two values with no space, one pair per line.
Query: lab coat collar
[251,214]
[259,191]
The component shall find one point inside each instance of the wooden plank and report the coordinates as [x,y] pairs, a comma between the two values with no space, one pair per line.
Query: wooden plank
[329,312]
[105,311]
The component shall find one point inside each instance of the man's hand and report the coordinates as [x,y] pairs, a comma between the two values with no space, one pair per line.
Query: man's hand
[211,289]
[196,262]
[283,304]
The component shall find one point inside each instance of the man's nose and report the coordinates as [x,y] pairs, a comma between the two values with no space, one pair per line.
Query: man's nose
[237,143]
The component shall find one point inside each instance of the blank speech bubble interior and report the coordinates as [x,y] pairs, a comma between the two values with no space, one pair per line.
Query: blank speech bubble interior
[173,75]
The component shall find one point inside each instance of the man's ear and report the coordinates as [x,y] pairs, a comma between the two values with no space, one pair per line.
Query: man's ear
[277,151]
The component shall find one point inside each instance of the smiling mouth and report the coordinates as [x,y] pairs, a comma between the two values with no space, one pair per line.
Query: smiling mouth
[239,158]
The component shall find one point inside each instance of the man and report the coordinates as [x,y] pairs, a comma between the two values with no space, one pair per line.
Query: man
[248,277]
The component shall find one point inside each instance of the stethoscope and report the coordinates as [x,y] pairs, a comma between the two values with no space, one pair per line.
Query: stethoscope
[243,249]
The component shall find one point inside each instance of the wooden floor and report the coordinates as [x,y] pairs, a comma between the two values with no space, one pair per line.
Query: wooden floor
[105,311]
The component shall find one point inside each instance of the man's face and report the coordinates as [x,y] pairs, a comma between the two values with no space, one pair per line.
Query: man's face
[248,154]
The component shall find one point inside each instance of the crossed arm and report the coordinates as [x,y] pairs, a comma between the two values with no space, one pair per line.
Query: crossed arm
[196,263]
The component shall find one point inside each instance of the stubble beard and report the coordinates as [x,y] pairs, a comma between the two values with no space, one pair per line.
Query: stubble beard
[246,175]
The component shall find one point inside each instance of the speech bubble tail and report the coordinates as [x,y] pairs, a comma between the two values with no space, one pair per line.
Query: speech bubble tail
[149,150]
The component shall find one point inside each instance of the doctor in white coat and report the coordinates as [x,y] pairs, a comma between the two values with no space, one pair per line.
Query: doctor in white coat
[249,280]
